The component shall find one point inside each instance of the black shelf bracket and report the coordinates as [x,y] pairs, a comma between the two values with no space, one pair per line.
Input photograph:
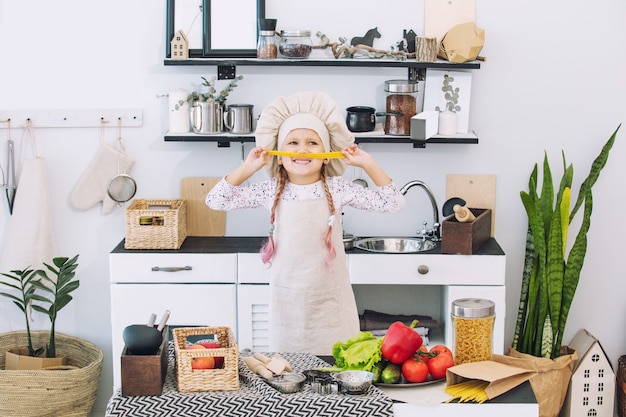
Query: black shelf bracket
[417,74]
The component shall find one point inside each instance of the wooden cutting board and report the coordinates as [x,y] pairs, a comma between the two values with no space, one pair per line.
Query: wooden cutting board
[478,191]
[201,220]
[442,15]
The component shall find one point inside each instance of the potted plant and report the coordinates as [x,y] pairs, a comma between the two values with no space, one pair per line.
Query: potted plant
[551,275]
[65,390]
[210,94]
[27,283]
[447,116]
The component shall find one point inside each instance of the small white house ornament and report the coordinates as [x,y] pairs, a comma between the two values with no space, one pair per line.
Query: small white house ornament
[179,46]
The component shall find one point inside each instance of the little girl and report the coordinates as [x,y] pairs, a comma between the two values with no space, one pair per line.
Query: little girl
[312,305]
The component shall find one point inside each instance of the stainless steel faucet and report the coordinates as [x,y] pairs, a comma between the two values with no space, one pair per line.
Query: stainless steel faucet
[435,232]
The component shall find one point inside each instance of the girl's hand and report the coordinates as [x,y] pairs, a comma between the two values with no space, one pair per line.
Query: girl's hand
[257,158]
[356,156]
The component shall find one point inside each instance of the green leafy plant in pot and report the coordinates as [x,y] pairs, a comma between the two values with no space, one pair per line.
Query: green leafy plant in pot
[550,278]
[30,284]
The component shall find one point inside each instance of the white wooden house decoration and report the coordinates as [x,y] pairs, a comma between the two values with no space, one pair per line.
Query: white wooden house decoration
[179,46]
[591,391]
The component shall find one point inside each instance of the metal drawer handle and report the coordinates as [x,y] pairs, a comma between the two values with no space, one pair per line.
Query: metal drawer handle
[423,269]
[171,268]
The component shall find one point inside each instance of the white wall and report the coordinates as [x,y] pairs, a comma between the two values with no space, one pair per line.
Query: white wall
[553,80]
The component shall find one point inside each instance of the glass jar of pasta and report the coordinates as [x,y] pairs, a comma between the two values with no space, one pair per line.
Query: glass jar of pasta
[473,320]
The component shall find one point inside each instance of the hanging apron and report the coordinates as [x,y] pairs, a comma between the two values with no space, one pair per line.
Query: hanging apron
[29,239]
[312,306]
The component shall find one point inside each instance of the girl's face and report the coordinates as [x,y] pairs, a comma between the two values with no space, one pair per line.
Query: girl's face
[303,171]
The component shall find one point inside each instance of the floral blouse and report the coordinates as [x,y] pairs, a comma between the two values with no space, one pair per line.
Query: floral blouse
[387,199]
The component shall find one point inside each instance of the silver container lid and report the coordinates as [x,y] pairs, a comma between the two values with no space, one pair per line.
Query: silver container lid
[401,86]
[473,308]
[295,33]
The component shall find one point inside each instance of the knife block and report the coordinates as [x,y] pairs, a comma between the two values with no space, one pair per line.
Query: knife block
[145,374]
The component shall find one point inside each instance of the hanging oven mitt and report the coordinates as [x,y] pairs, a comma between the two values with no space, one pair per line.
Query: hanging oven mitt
[92,186]
[29,239]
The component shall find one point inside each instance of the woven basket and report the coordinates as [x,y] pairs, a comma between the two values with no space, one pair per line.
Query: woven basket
[222,379]
[63,393]
[621,386]
[156,224]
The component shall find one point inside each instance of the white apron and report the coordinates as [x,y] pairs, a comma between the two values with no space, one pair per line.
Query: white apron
[312,306]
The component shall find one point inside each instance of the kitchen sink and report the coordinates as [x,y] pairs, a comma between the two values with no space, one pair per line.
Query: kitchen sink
[395,244]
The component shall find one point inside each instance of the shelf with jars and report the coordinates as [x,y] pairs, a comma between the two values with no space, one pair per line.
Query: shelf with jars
[225,139]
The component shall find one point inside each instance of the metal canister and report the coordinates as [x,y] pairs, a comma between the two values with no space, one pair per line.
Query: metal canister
[473,320]
[401,105]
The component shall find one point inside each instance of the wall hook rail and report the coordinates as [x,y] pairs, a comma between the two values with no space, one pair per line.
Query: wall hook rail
[67,118]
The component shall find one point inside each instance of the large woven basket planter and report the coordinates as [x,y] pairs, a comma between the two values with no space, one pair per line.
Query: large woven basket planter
[68,392]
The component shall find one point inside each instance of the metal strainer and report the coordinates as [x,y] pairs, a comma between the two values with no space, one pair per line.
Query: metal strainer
[122,187]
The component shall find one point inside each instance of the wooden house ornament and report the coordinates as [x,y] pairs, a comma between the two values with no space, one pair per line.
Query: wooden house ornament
[179,46]
[591,390]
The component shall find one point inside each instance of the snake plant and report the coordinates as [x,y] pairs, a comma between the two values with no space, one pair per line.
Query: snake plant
[550,278]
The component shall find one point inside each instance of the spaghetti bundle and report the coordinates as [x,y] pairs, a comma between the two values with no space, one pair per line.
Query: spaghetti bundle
[472,390]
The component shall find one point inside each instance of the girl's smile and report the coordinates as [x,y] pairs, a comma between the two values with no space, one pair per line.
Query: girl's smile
[303,170]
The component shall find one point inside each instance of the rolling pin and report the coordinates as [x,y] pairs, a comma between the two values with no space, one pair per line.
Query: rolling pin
[463,214]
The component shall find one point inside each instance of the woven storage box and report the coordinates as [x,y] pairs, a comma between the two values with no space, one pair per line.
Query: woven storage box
[156,224]
[67,393]
[222,379]
[621,386]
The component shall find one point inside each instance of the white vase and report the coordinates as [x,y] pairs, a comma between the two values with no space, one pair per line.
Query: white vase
[447,123]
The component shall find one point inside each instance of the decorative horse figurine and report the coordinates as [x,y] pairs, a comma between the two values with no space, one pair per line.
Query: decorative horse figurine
[368,39]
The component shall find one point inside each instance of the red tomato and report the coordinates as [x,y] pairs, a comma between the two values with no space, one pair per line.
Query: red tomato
[440,348]
[219,360]
[414,370]
[422,353]
[438,365]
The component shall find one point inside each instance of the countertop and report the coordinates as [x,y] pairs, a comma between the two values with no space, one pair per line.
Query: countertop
[252,244]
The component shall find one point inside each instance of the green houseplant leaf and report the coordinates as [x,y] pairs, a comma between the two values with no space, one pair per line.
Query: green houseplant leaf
[550,275]
[26,282]
[60,288]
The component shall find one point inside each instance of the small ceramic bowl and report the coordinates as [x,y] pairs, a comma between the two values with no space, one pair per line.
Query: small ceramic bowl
[355,382]
[288,383]
[142,340]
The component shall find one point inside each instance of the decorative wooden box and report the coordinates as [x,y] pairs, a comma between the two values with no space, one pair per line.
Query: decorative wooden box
[466,238]
[145,374]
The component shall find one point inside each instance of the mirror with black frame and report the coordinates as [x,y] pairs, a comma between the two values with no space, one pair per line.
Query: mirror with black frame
[215,28]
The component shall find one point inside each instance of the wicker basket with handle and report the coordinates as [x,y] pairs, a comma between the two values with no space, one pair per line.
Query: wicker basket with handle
[219,379]
[156,224]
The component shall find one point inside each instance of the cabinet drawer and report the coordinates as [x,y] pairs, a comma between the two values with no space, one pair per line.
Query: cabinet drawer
[427,269]
[175,267]
[252,270]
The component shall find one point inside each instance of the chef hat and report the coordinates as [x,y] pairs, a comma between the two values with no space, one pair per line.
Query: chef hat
[283,110]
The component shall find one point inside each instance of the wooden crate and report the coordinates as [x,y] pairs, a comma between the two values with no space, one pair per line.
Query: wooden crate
[156,224]
[145,374]
[193,380]
[466,238]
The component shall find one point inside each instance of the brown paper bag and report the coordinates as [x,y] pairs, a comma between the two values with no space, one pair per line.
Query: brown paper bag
[552,379]
[462,43]
[501,377]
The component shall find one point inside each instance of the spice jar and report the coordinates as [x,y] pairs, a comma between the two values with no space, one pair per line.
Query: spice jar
[401,105]
[295,43]
[473,320]
[266,45]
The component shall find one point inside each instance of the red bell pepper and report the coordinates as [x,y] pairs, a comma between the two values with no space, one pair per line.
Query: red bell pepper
[400,342]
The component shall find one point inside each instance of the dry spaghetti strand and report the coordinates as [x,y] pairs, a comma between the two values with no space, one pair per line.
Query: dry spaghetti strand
[472,390]
[322,155]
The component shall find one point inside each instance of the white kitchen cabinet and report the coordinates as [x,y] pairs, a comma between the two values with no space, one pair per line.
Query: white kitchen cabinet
[252,302]
[198,289]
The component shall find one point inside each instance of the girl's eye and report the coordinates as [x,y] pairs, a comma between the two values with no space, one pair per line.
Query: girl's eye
[313,143]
